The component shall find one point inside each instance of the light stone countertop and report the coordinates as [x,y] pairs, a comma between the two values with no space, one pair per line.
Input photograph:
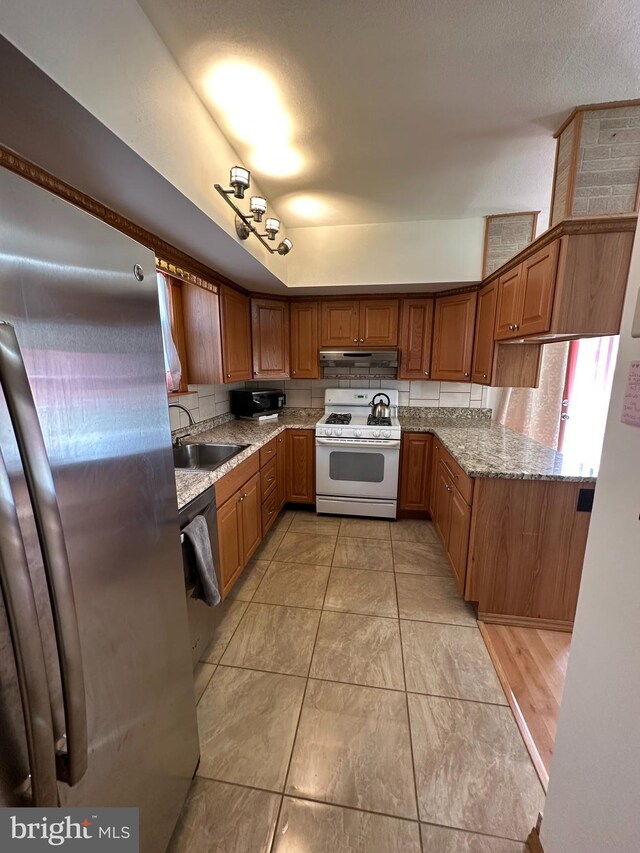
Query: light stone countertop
[480,446]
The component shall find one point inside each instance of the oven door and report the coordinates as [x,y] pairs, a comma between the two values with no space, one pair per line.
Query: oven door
[357,468]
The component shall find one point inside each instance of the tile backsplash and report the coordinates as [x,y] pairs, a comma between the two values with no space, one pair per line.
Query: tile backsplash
[204,402]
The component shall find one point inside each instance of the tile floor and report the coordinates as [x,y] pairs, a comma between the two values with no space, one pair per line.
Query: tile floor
[348,705]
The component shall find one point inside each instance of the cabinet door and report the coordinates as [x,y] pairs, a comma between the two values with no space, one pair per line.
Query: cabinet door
[379,322]
[305,341]
[270,338]
[509,301]
[301,465]
[230,541]
[339,323]
[202,334]
[484,345]
[453,328]
[458,543]
[235,321]
[538,280]
[251,509]
[178,328]
[416,324]
[415,471]
[442,506]
[281,470]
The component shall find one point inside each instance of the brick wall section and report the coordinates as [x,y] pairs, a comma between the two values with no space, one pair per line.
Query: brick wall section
[505,237]
[565,147]
[608,162]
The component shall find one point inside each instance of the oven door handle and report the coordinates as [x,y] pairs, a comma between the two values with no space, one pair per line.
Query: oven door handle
[361,443]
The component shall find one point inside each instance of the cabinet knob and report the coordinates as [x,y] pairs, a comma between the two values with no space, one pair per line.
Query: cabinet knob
[241,498]
[467,375]
[355,340]
[426,373]
[293,372]
[484,375]
[516,326]
[361,340]
[256,373]
[228,376]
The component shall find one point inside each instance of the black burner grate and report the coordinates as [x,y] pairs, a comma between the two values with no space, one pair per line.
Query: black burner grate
[371,421]
[338,418]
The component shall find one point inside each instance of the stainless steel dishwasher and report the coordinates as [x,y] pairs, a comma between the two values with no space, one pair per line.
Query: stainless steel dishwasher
[201,617]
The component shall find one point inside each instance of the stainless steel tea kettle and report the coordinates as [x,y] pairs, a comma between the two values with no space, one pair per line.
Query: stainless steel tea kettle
[380,410]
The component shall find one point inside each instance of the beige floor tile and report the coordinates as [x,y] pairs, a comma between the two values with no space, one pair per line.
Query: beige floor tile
[365,528]
[275,638]
[439,839]
[249,580]
[269,545]
[283,521]
[472,769]
[448,660]
[293,584]
[247,722]
[361,591]
[226,617]
[373,554]
[312,548]
[432,599]
[420,558]
[201,677]
[306,826]
[221,818]
[309,522]
[413,530]
[359,650]
[352,749]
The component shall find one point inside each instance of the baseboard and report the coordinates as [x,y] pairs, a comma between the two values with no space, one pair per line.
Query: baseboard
[534,845]
[525,622]
[515,708]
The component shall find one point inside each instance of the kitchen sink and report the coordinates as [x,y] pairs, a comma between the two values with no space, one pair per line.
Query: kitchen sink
[205,457]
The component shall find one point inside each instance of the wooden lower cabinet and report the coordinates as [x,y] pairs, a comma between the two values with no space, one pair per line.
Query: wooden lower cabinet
[441,510]
[301,466]
[458,540]
[250,506]
[230,542]
[415,472]
[281,469]
[239,520]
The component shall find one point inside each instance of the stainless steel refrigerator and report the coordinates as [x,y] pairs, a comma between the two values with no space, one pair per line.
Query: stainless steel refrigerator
[96,687]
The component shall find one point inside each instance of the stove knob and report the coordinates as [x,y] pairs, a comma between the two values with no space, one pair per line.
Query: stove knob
[329,432]
[386,433]
[338,432]
[358,433]
[376,433]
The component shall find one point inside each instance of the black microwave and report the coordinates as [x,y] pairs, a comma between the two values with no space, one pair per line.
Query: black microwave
[246,403]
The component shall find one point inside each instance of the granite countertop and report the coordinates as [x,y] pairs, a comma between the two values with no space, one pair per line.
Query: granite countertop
[482,448]
[190,484]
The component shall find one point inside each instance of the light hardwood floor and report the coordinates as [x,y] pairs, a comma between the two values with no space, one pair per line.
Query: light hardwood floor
[532,665]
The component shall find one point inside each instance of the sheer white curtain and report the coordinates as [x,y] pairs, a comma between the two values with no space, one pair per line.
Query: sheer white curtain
[172,366]
[535,412]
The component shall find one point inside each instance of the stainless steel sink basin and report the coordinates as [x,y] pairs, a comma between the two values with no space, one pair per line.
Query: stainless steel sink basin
[205,457]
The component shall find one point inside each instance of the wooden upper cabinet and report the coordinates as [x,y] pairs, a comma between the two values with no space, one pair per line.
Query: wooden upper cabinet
[178,331]
[453,328]
[508,312]
[537,283]
[202,334]
[270,338]
[366,323]
[484,344]
[416,326]
[415,472]
[379,322]
[339,323]
[235,318]
[305,341]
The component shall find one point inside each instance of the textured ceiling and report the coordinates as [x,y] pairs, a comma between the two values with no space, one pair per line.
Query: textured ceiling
[403,110]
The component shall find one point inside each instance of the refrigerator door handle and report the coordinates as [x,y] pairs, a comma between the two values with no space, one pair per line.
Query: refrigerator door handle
[72,763]
[22,617]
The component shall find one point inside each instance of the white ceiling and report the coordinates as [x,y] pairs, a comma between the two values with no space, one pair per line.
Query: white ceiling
[401,110]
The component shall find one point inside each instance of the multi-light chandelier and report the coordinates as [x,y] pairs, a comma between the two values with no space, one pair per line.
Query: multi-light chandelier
[240,180]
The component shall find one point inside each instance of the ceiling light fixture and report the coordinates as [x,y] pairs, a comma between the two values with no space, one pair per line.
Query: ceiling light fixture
[240,180]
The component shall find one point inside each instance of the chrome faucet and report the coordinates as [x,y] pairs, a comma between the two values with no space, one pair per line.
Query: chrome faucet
[177,441]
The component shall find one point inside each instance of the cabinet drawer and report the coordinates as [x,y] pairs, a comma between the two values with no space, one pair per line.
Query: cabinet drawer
[269,477]
[463,482]
[269,511]
[231,482]
[268,451]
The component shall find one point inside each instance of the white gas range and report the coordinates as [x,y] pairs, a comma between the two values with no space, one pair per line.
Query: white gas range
[357,456]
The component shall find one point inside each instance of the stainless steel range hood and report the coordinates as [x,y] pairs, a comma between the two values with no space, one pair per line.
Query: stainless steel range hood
[359,358]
